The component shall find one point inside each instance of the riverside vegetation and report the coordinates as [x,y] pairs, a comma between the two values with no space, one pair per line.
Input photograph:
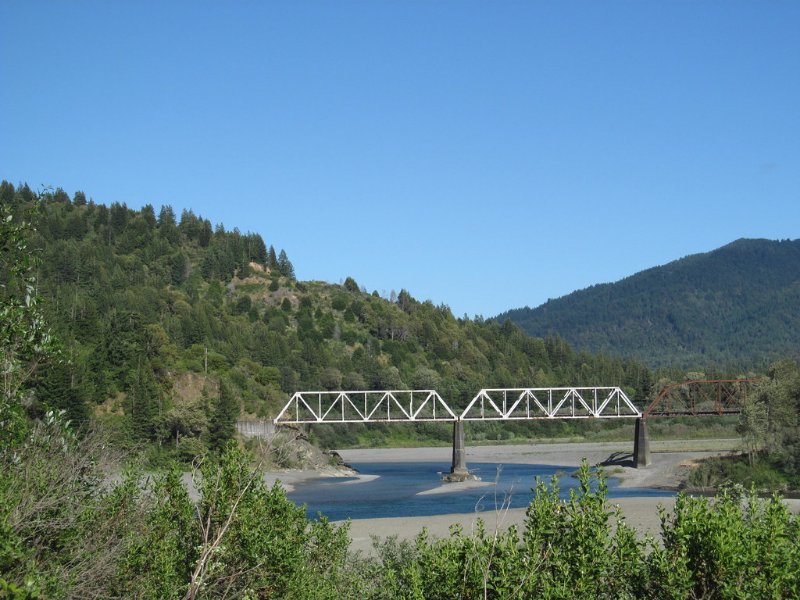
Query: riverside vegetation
[65,534]
[67,531]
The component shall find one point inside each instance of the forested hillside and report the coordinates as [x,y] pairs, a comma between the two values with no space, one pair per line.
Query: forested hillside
[734,306]
[170,327]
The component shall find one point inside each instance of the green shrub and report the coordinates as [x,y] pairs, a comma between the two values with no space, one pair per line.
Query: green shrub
[582,548]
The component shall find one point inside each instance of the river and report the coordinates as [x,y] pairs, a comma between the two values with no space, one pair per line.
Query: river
[404,489]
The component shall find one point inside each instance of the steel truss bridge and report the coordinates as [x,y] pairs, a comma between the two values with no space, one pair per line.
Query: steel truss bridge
[413,406]
[525,404]
[701,397]
[386,406]
[503,404]
[688,398]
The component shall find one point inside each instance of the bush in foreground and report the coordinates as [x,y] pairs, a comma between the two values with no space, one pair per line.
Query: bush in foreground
[67,533]
[726,547]
[64,532]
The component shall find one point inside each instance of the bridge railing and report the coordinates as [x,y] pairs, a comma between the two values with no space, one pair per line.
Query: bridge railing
[508,404]
[379,406]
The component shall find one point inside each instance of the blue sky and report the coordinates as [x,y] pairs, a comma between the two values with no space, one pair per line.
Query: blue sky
[484,155]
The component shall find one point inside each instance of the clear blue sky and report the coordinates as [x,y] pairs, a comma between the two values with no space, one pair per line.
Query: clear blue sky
[484,155]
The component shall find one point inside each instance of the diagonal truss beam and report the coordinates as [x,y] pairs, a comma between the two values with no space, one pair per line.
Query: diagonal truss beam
[381,406]
[509,404]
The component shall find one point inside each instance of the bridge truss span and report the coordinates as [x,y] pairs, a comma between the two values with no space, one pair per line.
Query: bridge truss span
[702,397]
[527,404]
[381,406]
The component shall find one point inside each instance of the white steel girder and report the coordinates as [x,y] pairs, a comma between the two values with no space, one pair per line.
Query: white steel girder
[509,404]
[365,407]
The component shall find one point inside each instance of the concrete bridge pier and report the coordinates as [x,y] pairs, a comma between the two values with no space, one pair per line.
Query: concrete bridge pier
[458,470]
[641,444]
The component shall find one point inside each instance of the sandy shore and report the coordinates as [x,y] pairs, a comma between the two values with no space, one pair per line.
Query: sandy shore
[291,477]
[671,460]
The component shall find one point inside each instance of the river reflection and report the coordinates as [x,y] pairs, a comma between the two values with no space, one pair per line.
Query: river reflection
[403,490]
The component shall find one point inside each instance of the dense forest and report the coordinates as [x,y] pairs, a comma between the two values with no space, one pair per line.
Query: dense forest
[735,306]
[171,327]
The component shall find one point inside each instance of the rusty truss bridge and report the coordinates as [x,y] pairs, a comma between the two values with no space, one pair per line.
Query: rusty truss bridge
[701,397]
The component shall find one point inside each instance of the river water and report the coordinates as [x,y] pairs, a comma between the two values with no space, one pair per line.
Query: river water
[398,490]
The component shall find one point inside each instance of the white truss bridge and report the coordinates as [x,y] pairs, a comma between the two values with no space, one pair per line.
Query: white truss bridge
[365,407]
[502,404]
[526,404]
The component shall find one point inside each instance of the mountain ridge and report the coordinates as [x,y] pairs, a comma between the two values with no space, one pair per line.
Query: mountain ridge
[732,306]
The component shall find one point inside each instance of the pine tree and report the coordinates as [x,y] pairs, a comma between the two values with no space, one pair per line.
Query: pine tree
[257,249]
[149,215]
[59,387]
[205,235]
[179,268]
[222,421]
[119,217]
[272,258]
[143,403]
[167,226]
[285,265]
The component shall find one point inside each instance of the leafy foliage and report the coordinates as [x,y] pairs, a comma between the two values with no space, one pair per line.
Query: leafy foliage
[25,341]
[582,548]
[724,549]
[66,533]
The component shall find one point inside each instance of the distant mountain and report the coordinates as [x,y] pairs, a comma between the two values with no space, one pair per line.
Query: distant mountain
[737,305]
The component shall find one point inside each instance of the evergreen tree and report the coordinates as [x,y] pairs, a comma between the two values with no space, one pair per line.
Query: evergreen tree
[7,193]
[179,268]
[167,226]
[60,196]
[119,218]
[149,215]
[285,266]
[350,285]
[272,258]
[205,235]
[222,421]
[59,387]
[257,250]
[143,403]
